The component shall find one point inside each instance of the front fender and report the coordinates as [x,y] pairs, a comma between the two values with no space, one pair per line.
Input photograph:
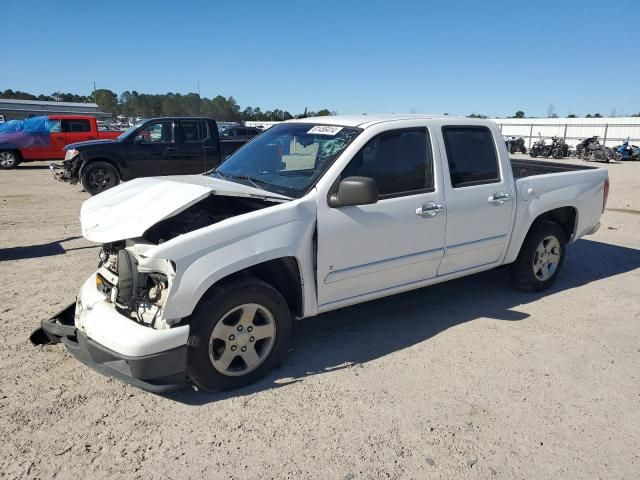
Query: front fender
[206,256]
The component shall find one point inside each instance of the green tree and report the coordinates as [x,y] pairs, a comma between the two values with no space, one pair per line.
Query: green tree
[519,114]
[106,99]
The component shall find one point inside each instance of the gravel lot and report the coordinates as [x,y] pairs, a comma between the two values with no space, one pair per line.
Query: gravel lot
[468,379]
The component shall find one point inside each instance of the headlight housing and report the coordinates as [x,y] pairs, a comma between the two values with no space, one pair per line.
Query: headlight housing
[71,154]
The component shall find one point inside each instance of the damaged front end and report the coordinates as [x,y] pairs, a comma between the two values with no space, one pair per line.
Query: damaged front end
[68,170]
[136,285]
[116,325]
[122,323]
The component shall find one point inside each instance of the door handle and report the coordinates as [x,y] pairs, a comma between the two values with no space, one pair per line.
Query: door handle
[429,210]
[170,149]
[499,198]
[59,138]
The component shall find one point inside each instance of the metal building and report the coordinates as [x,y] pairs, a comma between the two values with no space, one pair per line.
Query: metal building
[21,109]
[611,130]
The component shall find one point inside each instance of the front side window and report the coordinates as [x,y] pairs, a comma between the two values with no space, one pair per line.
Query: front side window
[288,158]
[156,133]
[399,161]
[55,126]
[471,155]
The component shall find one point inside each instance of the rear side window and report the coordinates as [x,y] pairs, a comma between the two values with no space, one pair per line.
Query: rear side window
[75,126]
[472,156]
[399,161]
[191,131]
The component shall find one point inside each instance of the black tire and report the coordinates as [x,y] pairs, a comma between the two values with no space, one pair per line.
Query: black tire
[557,154]
[214,310]
[9,159]
[523,270]
[97,177]
[533,153]
[523,150]
[513,149]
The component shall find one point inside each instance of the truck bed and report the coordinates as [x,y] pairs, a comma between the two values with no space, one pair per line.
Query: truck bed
[531,168]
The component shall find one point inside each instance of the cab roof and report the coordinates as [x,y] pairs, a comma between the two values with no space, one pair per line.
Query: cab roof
[364,121]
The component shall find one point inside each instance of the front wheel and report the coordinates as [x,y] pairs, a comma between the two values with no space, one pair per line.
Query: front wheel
[97,177]
[239,333]
[8,160]
[540,259]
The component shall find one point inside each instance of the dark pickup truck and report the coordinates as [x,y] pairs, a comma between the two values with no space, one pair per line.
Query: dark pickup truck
[158,146]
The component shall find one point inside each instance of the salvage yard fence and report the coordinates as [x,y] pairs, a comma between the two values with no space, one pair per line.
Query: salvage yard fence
[611,131]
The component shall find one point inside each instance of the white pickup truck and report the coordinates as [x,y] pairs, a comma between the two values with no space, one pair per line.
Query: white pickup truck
[200,276]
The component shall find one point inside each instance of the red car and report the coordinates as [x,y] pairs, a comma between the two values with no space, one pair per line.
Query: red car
[44,138]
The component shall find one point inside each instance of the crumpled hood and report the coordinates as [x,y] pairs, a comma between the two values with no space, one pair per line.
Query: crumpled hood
[128,210]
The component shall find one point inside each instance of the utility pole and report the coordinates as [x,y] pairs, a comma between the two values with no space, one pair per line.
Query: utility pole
[199,98]
[94,92]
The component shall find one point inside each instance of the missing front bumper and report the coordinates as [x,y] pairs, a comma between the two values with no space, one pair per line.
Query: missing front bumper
[159,372]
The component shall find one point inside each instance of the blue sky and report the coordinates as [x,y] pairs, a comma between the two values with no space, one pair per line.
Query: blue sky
[459,57]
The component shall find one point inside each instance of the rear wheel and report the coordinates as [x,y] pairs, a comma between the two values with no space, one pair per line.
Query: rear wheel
[97,177]
[540,259]
[8,160]
[238,335]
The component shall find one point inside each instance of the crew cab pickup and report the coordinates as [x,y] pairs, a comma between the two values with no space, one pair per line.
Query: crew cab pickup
[159,146]
[48,140]
[200,276]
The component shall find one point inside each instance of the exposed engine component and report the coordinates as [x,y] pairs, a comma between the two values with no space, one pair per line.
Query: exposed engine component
[212,209]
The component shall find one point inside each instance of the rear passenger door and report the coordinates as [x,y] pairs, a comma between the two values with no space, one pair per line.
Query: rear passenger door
[77,130]
[479,199]
[190,142]
[398,240]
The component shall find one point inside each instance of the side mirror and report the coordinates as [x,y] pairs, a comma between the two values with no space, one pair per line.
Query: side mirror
[138,139]
[354,191]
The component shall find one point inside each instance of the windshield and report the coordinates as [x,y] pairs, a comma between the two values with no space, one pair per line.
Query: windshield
[288,158]
[126,133]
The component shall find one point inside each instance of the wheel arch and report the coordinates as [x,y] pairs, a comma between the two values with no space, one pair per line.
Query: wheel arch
[282,273]
[104,159]
[15,150]
[566,217]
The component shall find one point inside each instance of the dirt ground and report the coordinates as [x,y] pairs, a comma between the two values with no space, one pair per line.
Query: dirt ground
[468,379]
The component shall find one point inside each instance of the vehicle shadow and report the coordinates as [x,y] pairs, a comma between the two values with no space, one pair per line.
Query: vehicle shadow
[361,333]
[40,250]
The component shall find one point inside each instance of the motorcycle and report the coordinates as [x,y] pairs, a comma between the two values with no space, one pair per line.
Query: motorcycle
[515,145]
[540,149]
[582,149]
[591,150]
[628,152]
[559,148]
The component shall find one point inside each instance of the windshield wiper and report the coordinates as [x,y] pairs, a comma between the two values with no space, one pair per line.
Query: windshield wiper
[249,179]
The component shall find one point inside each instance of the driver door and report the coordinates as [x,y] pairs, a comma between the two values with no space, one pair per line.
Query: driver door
[153,151]
[397,241]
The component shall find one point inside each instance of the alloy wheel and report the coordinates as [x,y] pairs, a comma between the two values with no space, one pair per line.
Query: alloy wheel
[546,258]
[242,339]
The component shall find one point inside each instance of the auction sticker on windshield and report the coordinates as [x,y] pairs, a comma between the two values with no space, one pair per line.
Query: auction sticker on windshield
[324,130]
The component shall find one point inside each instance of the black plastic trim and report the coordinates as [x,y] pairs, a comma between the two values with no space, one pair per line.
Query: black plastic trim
[159,372]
